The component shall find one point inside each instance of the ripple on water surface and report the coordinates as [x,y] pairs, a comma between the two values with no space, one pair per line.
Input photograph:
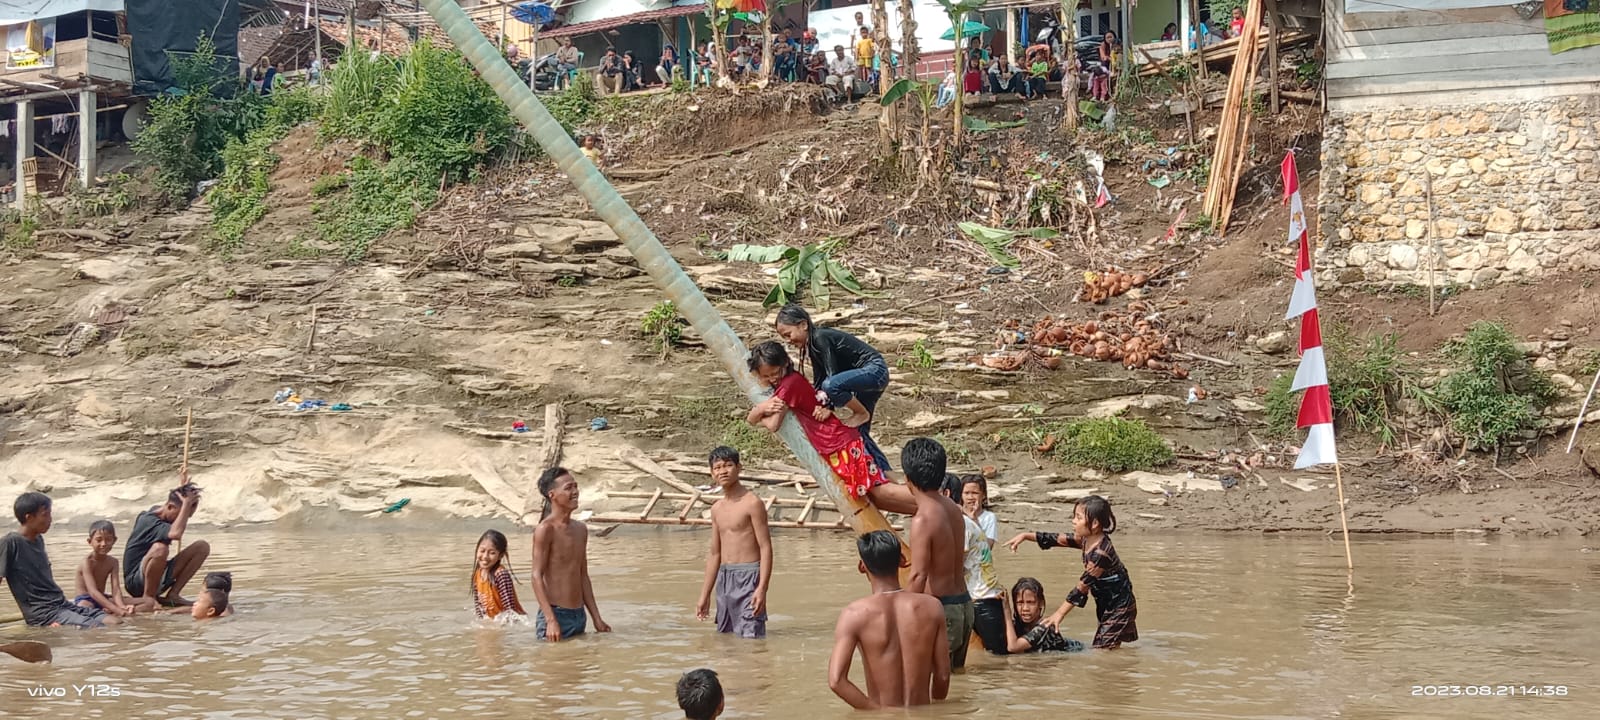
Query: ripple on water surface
[366,624]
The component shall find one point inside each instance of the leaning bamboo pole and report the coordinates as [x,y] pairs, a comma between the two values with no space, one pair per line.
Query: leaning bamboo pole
[640,241]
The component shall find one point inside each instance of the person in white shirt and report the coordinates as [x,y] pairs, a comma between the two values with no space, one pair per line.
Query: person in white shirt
[841,72]
[983,584]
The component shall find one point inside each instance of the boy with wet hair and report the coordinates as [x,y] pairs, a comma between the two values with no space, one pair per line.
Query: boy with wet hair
[561,562]
[901,636]
[149,552]
[99,571]
[213,601]
[938,543]
[700,695]
[25,567]
[739,566]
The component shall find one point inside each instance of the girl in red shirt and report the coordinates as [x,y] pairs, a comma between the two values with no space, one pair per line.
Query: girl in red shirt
[841,446]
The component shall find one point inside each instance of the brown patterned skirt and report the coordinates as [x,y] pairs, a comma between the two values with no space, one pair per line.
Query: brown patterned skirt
[1117,626]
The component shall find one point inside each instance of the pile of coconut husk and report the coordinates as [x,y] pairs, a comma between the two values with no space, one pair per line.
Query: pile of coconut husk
[1101,287]
[1135,337]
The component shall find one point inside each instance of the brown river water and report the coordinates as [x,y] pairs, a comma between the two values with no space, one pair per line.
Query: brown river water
[373,620]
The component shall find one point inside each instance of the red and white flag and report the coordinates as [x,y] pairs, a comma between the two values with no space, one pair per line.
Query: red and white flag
[1316,406]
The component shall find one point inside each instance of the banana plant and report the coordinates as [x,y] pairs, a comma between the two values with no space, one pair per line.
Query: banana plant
[641,243]
[926,94]
[956,12]
[808,268]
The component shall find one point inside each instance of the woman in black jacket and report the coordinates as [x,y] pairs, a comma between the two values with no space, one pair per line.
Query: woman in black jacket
[850,377]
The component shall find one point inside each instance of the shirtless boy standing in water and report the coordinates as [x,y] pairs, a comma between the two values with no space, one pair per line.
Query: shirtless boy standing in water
[561,562]
[938,543]
[900,634]
[739,567]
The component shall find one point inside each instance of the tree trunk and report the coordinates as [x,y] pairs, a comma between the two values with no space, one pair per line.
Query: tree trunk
[956,21]
[766,46]
[1069,78]
[888,115]
[719,47]
[642,243]
[908,40]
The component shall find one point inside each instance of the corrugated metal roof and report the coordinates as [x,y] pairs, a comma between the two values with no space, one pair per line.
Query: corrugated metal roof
[592,26]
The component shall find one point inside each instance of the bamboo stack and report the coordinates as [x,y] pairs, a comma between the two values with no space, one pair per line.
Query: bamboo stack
[1233,132]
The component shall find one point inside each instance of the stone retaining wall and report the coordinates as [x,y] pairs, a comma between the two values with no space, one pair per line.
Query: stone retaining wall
[1516,192]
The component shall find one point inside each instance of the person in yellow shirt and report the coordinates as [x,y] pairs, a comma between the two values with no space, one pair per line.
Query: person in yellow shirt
[864,52]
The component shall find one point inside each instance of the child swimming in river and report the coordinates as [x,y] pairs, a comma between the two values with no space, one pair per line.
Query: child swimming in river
[494,588]
[839,445]
[99,572]
[214,601]
[561,562]
[1025,633]
[1104,575]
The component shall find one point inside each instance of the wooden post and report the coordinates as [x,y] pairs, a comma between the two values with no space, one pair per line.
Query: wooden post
[1338,477]
[1272,53]
[88,136]
[24,150]
[502,27]
[1194,32]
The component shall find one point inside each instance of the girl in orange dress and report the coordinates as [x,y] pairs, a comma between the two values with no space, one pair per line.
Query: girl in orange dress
[494,588]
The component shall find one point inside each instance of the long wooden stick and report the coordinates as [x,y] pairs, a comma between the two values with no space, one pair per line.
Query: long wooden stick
[1433,257]
[188,425]
[1344,524]
[1582,411]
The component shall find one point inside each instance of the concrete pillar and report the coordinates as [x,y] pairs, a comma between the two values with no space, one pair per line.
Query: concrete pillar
[24,137]
[1011,36]
[88,136]
[1185,26]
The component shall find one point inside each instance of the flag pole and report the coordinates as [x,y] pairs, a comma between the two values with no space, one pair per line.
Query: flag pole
[1344,524]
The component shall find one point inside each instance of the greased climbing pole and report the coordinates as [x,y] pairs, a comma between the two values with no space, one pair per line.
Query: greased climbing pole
[640,241]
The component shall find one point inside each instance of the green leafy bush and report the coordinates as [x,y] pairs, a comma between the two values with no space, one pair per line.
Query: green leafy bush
[662,326]
[1492,394]
[1112,444]
[189,125]
[240,196]
[1283,406]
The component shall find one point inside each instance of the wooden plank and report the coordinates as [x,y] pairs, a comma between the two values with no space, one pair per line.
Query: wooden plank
[649,506]
[675,497]
[1579,72]
[633,456]
[1459,31]
[1422,18]
[805,513]
[1525,48]
[1446,67]
[1509,92]
[688,506]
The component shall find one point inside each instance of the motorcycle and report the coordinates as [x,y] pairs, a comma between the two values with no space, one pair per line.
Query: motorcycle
[544,75]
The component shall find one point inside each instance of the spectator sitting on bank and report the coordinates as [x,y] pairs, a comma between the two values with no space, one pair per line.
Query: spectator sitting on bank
[1236,25]
[783,57]
[817,67]
[1038,59]
[630,72]
[947,90]
[972,79]
[667,63]
[1170,32]
[566,62]
[808,42]
[1003,80]
[741,59]
[704,67]
[841,73]
[610,75]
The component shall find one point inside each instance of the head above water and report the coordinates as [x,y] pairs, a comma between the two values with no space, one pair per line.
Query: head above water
[951,487]
[974,492]
[769,362]
[700,694]
[491,550]
[1092,514]
[880,553]
[209,604]
[557,486]
[1027,596]
[923,461]
[33,505]
[219,581]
